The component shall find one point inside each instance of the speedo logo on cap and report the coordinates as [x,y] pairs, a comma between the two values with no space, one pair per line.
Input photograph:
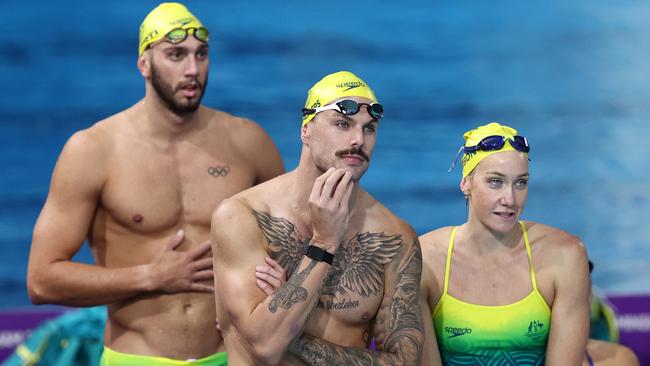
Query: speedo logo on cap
[181,22]
[350,85]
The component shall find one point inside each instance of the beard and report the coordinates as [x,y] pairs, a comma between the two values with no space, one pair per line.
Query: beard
[166,93]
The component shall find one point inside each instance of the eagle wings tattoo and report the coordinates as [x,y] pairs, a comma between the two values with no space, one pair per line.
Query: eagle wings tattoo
[358,263]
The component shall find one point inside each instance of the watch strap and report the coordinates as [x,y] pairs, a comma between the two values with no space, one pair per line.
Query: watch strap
[320,254]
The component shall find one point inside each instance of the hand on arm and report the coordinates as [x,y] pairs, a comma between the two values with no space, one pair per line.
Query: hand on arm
[270,277]
[261,319]
[266,321]
[398,330]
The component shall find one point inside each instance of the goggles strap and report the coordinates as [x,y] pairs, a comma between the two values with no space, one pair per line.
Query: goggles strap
[453,165]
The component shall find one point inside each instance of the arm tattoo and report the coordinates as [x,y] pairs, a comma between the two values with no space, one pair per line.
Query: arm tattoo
[313,351]
[358,265]
[404,318]
[292,292]
[359,268]
[399,329]
[286,245]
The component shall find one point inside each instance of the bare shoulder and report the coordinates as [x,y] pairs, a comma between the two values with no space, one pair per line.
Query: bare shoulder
[232,227]
[94,139]
[249,141]
[380,219]
[434,253]
[240,130]
[229,210]
[437,239]
[233,214]
[257,198]
[561,260]
[554,244]
[545,233]
[268,193]
[105,133]
[88,150]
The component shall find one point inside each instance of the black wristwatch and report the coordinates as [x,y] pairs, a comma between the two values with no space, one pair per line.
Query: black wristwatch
[320,255]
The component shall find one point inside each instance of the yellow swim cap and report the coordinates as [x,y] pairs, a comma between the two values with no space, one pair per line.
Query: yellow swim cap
[333,87]
[475,136]
[161,20]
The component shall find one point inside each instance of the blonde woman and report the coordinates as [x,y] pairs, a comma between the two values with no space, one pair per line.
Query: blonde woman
[500,290]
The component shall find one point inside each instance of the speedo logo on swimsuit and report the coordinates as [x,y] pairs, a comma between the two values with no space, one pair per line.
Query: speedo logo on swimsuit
[350,85]
[455,332]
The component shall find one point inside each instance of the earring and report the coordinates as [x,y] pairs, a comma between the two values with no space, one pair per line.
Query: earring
[466,194]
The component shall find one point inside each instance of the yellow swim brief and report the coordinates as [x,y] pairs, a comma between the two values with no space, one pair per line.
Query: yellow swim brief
[113,358]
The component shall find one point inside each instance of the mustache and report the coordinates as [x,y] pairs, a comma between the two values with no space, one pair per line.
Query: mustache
[353,151]
[188,83]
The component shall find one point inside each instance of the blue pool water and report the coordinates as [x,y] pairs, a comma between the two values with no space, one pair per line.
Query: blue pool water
[572,76]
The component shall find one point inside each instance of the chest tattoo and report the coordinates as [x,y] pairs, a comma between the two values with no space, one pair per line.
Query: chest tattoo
[358,267]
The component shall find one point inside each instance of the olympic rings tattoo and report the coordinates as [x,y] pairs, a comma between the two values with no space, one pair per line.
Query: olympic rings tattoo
[219,171]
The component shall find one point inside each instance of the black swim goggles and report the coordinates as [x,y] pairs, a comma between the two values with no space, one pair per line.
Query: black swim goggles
[496,142]
[493,143]
[348,107]
[178,35]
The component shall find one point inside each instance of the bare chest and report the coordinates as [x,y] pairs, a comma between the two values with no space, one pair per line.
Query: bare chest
[354,287]
[485,283]
[149,189]
[347,305]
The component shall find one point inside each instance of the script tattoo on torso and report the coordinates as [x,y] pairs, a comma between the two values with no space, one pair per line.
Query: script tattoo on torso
[398,330]
[358,263]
